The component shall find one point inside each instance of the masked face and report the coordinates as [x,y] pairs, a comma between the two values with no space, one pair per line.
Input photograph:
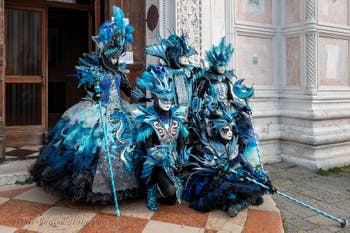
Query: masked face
[163,103]
[226,133]
[221,69]
[115,47]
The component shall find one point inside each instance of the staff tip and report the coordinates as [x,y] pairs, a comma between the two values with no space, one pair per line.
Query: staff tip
[117,213]
[344,223]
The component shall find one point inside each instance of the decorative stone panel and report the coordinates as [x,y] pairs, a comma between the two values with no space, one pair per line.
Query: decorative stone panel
[333,59]
[256,11]
[188,18]
[333,12]
[293,11]
[293,61]
[254,59]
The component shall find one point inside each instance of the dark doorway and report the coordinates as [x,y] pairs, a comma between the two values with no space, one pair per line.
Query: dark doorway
[67,40]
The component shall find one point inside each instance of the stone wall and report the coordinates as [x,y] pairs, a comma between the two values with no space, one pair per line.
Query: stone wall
[251,26]
[297,55]
[315,97]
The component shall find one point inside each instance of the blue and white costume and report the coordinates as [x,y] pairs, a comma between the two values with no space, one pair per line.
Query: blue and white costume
[174,51]
[73,163]
[225,150]
[160,129]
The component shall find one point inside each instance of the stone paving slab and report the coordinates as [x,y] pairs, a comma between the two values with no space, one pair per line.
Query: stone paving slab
[4,229]
[3,200]
[156,226]
[29,210]
[38,195]
[60,219]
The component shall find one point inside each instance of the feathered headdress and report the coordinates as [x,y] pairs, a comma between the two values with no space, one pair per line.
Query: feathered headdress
[178,44]
[220,54]
[113,26]
[156,81]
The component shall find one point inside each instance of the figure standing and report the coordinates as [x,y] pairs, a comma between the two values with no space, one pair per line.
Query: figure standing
[73,163]
[174,51]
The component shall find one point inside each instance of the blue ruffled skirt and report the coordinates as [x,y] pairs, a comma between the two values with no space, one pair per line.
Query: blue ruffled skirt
[74,162]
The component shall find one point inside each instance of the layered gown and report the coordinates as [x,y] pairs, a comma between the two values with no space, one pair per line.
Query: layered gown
[74,162]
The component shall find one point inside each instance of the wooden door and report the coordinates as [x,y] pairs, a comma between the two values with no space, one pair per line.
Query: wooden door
[25,74]
[135,11]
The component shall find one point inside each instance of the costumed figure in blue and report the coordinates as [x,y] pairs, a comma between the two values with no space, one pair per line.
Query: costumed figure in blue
[225,152]
[161,134]
[74,162]
[175,51]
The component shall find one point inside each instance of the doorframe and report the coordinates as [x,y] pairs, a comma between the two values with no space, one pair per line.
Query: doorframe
[29,129]
[33,133]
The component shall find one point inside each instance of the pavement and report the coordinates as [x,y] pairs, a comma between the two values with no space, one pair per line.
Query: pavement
[27,209]
[329,193]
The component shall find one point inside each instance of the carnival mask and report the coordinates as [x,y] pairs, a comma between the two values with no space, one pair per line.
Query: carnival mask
[163,102]
[226,133]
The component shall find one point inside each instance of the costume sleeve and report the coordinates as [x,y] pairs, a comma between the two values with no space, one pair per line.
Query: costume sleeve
[246,164]
[144,133]
[125,84]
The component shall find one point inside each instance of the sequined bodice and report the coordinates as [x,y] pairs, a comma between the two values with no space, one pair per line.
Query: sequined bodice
[110,86]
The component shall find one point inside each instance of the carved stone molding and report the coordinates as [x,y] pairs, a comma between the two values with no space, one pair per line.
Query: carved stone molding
[188,18]
[311,66]
[310,11]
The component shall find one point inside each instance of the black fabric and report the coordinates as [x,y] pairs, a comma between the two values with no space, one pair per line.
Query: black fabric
[214,194]
[165,185]
[63,183]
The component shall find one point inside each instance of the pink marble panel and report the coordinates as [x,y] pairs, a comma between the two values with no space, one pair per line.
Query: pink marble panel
[333,61]
[333,12]
[255,59]
[257,11]
[293,61]
[292,11]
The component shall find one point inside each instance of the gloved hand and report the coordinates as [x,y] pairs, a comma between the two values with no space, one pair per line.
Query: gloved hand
[223,167]
[98,93]
[260,175]
[272,188]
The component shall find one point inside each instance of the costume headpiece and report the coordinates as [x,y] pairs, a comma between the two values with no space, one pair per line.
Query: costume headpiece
[172,48]
[112,27]
[156,81]
[219,55]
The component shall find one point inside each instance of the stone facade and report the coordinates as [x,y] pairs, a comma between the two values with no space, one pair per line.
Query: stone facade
[297,54]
